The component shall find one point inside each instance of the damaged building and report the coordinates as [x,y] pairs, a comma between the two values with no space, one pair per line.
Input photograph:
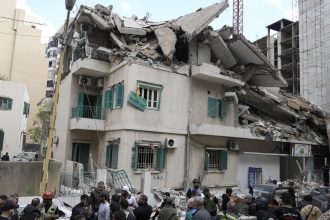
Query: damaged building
[182,100]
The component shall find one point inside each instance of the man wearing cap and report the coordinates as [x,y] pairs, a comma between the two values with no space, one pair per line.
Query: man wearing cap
[49,210]
[195,190]
[211,203]
[310,212]
[8,210]
[126,194]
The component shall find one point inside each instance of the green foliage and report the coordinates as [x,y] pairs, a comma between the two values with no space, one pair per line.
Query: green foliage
[40,123]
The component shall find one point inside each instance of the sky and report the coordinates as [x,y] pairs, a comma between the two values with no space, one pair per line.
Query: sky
[257,13]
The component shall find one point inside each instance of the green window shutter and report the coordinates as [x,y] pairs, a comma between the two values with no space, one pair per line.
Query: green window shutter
[160,158]
[2,135]
[80,104]
[137,101]
[223,160]
[119,95]
[108,104]
[134,157]
[10,104]
[223,108]
[74,152]
[114,156]
[212,107]
[99,107]
[108,156]
[206,160]
[25,109]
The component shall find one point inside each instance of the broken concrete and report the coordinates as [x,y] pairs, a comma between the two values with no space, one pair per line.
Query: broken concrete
[194,23]
[128,26]
[167,40]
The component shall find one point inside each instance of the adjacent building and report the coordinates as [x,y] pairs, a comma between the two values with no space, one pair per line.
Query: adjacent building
[180,100]
[14,110]
[24,61]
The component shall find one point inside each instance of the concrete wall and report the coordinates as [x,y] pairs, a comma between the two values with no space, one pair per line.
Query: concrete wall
[13,122]
[16,177]
[25,61]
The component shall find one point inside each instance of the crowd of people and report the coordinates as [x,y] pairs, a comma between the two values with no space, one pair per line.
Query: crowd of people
[201,205]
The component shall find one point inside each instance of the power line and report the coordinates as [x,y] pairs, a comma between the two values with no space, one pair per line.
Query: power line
[31,22]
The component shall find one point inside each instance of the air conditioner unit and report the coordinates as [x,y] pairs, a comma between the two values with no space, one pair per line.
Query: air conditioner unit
[85,81]
[99,83]
[232,145]
[170,143]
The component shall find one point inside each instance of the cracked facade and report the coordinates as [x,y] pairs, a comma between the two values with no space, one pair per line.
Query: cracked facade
[180,99]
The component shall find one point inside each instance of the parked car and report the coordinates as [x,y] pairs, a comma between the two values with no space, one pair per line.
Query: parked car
[24,201]
[26,156]
[319,196]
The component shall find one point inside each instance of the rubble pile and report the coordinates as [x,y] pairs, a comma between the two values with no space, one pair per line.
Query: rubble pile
[99,33]
[281,115]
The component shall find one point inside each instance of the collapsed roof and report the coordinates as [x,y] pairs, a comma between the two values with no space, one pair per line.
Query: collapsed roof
[101,34]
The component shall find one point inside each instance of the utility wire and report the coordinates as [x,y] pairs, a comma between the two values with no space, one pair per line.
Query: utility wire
[31,22]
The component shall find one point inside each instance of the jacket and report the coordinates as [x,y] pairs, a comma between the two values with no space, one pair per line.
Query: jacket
[168,213]
[312,214]
[30,213]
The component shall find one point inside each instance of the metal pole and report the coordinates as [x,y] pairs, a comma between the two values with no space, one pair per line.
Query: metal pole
[45,168]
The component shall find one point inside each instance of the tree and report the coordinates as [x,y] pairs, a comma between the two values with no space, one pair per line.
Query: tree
[39,129]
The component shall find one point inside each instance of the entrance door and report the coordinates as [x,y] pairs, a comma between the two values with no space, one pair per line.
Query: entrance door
[80,154]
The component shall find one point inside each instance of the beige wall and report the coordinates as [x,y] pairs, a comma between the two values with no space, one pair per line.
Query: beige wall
[25,61]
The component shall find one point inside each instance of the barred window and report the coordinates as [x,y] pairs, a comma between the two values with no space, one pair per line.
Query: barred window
[146,157]
[215,159]
[5,103]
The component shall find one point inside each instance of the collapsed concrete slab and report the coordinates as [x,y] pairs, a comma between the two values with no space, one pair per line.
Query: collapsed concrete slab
[221,51]
[211,73]
[166,40]
[194,23]
[128,26]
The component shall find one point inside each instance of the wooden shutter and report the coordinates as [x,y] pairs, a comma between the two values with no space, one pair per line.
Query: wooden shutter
[212,107]
[137,101]
[223,160]
[99,107]
[114,156]
[119,95]
[108,103]
[10,103]
[74,152]
[134,156]
[80,104]
[160,158]
[2,135]
[108,156]
[206,160]
[223,108]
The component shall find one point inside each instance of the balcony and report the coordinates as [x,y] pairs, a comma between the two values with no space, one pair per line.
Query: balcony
[87,118]
[88,62]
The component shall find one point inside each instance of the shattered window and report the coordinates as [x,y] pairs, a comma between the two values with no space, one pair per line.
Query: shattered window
[5,103]
[151,95]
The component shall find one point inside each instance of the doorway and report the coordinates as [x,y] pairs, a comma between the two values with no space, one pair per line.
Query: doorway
[80,154]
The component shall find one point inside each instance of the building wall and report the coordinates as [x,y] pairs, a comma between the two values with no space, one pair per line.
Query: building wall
[314,32]
[13,122]
[25,60]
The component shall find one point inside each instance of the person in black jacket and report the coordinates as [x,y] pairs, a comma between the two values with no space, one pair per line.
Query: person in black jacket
[144,210]
[83,208]
[31,211]
[225,200]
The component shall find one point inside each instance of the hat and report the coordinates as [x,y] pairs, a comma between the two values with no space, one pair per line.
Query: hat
[126,188]
[9,205]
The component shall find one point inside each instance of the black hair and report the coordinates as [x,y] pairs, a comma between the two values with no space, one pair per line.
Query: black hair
[229,191]
[84,196]
[35,202]
[120,215]
[115,198]
[124,204]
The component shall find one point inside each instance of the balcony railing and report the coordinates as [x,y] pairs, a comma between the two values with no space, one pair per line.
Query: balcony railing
[83,111]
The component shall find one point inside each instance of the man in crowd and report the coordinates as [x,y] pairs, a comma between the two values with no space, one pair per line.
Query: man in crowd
[226,199]
[144,210]
[49,210]
[104,208]
[83,208]
[195,190]
[95,194]
[124,207]
[262,209]
[310,212]
[5,157]
[201,213]
[8,210]
[165,196]
[126,194]
[287,211]
[211,204]
[31,211]
[168,212]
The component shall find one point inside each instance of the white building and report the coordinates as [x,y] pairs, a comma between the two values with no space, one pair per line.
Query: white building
[202,117]
[14,110]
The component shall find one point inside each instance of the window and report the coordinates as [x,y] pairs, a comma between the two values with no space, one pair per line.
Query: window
[26,109]
[5,103]
[215,159]
[2,135]
[49,94]
[114,96]
[217,107]
[50,63]
[151,93]
[50,83]
[148,155]
[112,155]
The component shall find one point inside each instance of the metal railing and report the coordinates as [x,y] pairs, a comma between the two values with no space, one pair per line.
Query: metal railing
[83,111]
